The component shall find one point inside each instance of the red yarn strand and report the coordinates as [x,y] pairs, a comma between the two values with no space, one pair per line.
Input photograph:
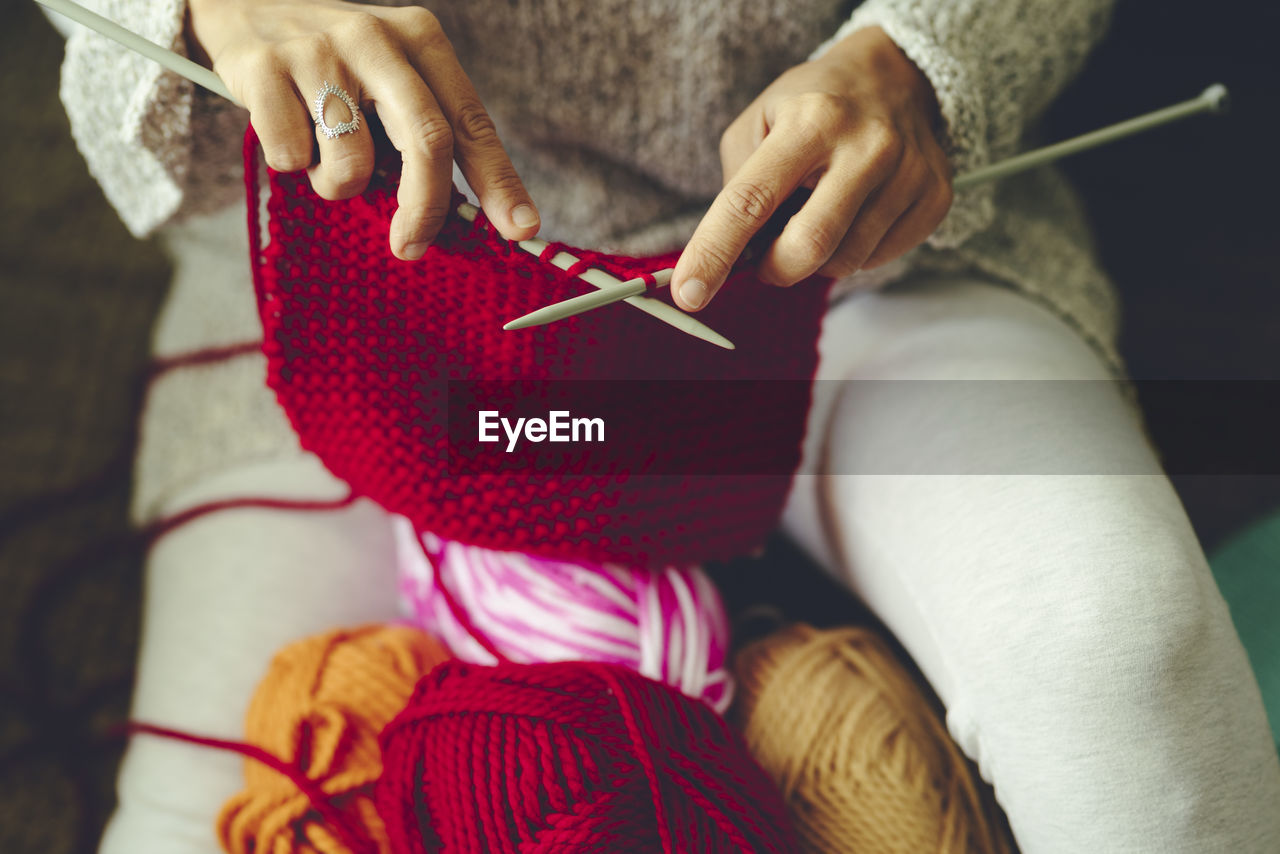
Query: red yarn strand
[319,800]
[640,741]
[164,526]
[460,614]
[208,355]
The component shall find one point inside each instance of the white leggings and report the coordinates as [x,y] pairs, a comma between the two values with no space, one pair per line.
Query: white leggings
[1069,622]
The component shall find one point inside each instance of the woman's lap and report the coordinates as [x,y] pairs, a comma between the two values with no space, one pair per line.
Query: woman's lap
[1067,619]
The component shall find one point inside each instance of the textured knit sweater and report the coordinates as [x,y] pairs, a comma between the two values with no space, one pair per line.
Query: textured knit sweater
[612,112]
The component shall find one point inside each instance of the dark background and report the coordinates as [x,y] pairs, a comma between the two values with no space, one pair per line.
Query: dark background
[1185,216]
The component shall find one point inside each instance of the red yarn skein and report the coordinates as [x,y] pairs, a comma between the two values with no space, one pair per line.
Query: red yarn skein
[566,757]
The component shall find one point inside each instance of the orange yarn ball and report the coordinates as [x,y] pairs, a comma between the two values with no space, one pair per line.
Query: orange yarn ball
[322,704]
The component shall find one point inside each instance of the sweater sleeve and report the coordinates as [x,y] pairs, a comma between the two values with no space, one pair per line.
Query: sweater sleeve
[136,124]
[995,65]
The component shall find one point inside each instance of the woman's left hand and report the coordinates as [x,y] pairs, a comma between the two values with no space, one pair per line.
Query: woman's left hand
[857,127]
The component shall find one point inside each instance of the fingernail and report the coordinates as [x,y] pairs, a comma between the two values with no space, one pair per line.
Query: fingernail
[414,251]
[524,216]
[694,293]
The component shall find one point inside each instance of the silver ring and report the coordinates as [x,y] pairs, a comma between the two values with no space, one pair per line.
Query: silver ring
[322,98]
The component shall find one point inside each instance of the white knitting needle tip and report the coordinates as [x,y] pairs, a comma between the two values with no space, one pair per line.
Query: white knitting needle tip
[1212,100]
[584,303]
[668,314]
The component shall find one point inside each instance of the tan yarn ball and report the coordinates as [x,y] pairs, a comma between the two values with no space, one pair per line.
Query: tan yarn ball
[863,761]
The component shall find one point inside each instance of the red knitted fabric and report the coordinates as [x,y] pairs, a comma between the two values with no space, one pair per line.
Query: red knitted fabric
[581,757]
[362,347]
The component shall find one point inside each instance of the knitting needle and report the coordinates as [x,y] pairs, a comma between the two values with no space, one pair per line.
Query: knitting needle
[1211,100]
[1214,99]
[608,285]
[197,74]
[629,289]
[204,77]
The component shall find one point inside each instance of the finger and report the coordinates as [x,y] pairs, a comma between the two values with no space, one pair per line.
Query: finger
[739,141]
[484,162]
[879,212]
[346,156]
[745,204]
[913,228]
[282,121]
[924,217]
[417,127]
[480,154]
[814,234]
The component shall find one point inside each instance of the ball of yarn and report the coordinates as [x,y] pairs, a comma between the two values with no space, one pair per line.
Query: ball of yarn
[863,761]
[571,756]
[667,624]
[322,705]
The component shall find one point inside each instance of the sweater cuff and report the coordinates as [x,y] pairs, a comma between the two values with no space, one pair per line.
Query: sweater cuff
[131,118]
[964,136]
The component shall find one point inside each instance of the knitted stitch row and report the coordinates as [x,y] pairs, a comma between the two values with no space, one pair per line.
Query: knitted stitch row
[362,349]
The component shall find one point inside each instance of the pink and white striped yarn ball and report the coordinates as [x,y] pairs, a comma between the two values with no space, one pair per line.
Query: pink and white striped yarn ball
[669,625]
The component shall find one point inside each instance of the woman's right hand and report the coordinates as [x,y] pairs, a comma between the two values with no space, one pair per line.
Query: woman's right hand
[275,55]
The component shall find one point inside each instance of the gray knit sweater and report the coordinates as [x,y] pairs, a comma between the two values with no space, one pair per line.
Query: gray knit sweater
[612,111]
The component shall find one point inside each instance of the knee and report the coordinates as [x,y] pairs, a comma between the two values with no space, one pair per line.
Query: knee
[1142,629]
